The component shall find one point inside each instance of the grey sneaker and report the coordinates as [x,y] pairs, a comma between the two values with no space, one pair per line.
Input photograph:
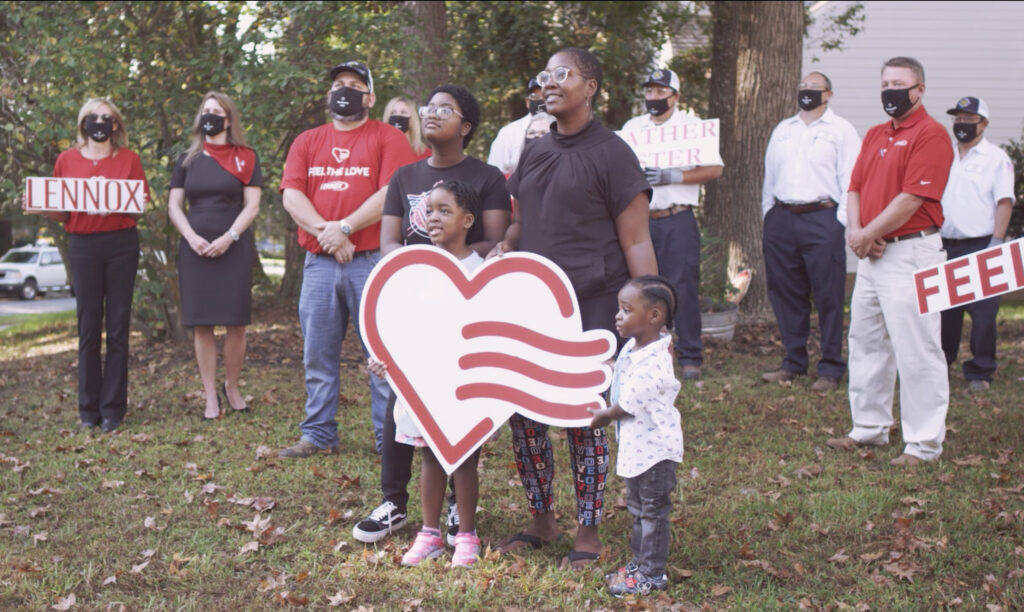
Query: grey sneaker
[384,520]
[638,584]
[305,449]
[453,524]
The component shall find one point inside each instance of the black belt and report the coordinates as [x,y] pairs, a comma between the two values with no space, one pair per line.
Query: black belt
[675,209]
[921,234]
[805,207]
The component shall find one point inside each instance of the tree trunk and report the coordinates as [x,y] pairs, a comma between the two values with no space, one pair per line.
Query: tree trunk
[426,66]
[294,255]
[755,69]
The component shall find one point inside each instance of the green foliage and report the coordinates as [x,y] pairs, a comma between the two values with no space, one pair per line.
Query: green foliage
[1015,149]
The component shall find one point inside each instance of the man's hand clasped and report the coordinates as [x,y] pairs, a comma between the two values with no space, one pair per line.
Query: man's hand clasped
[334,242]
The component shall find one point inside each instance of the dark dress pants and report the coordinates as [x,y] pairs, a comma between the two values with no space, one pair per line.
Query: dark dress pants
[805,255]
[676,240]
[103,267]
[983,320]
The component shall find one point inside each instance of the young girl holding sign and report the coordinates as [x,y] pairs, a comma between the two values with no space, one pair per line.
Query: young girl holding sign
[451,208]
[643,393]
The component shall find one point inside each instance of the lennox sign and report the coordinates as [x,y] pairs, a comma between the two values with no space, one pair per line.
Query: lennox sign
[84,195]
[680,145]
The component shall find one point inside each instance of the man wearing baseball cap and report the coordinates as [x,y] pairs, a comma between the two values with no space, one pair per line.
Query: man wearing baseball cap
[333,186]
[977,204]
[508,144]
[673,225]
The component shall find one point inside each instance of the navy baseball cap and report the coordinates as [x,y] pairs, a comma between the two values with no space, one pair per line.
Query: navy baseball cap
[531,85]
[357,68]
[970,104]
[663,77]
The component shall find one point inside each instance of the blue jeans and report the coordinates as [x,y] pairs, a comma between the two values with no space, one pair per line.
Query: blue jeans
[330,296]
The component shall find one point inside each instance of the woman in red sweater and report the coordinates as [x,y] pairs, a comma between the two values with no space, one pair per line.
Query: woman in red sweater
[103,250]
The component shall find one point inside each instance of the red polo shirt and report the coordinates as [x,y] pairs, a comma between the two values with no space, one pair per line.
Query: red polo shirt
[913,158]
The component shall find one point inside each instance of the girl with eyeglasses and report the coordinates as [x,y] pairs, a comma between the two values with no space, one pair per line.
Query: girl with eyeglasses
[103,252]
[449,120]
[581,201]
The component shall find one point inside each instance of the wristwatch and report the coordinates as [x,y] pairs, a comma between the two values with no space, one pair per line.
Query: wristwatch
[234,235]
[345,227]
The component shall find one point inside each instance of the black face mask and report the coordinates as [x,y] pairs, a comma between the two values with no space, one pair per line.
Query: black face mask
[399,122]
[809,99]
[346,102]
[211,124]
[536,106]
[657,107]
[98,131]
[965,132]
[896,102]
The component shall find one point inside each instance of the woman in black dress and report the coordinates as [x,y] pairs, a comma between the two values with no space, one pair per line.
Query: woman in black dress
[220,175]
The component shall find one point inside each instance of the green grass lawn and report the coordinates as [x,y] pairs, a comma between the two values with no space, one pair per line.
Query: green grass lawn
[174,513]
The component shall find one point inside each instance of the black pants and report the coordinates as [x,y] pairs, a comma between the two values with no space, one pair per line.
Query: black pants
[676,241]
[804,254]
[983,320]
[103,268]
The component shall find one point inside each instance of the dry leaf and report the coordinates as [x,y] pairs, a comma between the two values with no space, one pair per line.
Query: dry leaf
[39,537]
[969,460]
[148,553]
[720,589]
[287,597]
[341,597]
[839,557]
[149,523]
[210,488]
[65,603]
[110,580]
[809,471]
[137,569]
[250,547]
[340,545]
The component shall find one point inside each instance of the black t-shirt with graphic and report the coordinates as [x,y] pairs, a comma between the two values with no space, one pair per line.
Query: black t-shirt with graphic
[410,185]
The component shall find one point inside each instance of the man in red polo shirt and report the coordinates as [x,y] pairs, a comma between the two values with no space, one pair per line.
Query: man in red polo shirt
[894,215]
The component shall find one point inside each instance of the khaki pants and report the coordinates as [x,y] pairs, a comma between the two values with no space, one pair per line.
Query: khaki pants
[888,337]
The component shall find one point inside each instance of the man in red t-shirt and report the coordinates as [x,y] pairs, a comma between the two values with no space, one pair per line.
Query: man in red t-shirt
[334,183]
[894,215]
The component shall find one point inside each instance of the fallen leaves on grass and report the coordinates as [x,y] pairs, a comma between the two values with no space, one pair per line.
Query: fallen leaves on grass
[809,471]
[339,598]
[137,569]
[839,557]
[66,602]
[249,547]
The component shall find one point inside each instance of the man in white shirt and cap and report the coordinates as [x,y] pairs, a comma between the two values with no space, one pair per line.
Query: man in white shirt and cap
[508,144]
[673,225]
[806,174]
[977,204]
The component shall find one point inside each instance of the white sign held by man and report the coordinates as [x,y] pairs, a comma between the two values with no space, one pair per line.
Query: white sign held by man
[84,195]
[679,145]
[971,278]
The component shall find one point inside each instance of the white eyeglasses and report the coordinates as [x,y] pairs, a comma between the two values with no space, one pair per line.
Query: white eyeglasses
[559,75]
[441,112]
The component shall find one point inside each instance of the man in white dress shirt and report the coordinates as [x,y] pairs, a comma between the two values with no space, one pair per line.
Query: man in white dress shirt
[977,204]
[673,226]
[806,174]
[508,144]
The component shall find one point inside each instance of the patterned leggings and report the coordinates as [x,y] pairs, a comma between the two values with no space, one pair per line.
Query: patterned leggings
[588,449]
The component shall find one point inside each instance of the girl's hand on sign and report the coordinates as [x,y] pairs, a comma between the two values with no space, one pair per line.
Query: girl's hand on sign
[377,368]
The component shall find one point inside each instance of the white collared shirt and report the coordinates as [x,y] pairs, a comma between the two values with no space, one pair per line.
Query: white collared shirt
[977,181]
[644,385]
[666,196]
[508,145]
[809,163]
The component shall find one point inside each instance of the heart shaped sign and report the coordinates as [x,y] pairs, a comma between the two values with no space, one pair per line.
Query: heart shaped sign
[466,352]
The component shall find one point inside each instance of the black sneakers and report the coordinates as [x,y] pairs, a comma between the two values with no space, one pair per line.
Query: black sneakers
[384,520]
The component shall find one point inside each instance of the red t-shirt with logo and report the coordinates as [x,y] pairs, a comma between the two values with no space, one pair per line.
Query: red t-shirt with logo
[339,170]
[123,164]
[913,158]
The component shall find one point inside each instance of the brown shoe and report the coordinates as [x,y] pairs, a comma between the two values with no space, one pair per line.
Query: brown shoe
[845,443]
[779,375]
[691,372]
[905,460]
[305,449]
[825,384]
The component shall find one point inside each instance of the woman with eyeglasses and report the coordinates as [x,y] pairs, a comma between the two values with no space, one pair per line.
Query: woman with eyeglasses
[449,120]
[581,200]
[103,252]
[220,175]
[401,113]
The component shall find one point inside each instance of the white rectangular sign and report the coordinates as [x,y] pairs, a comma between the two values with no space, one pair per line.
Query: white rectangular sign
[970,278]
[91,195]
[681,145]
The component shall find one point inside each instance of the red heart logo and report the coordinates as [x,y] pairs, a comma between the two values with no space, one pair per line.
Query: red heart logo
[466,352]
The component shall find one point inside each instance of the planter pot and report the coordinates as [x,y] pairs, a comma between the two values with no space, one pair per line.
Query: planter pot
[721,324]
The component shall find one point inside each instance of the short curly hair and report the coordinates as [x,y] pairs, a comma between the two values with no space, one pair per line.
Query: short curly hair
[589,65]
[468,106]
